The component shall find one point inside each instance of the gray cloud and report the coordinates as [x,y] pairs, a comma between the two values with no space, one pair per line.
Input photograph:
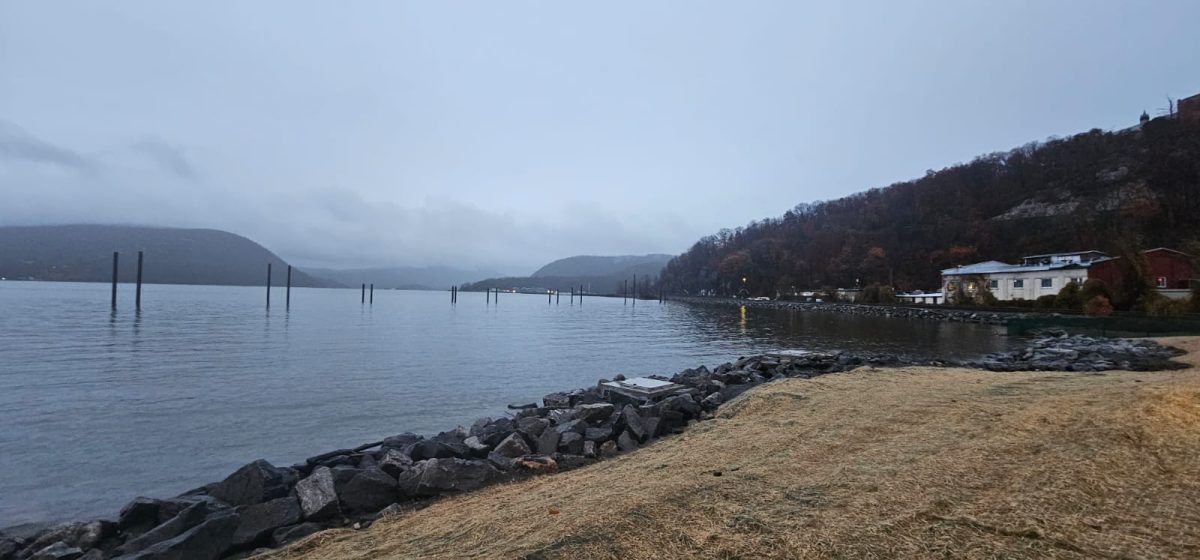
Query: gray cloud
[167,156]
[18,146]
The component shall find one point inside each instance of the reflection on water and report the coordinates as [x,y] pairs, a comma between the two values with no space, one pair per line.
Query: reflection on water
[97,407]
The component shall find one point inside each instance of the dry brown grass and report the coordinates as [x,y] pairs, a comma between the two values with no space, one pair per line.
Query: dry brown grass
[914,462]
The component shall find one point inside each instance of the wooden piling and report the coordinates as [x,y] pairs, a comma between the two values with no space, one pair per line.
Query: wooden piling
[268,285]
[549,297]
[625,293]
[372,294]
[635,290]
[557,296]
[581,295]
[572,295]
[138,298]
[287,294]
[116,256]
[363,297]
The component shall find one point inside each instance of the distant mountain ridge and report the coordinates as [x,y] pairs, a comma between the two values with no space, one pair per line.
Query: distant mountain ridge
[402,277]
[588,265]
[597,274]
[83,253]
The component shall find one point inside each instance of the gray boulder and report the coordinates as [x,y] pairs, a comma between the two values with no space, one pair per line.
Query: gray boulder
[557,400]
[368,492]
[608,448]
[430,449]
[513,446]
[401,441]
[206,541]
[169,529]
[139,515]
[256,522]
[599,433]
[593,413]
[547,444]
[633,423]
[626,441]
[81,535]
[532,427]
[317,494]
[254,483]
[571,443]
[437,476]
[394,462]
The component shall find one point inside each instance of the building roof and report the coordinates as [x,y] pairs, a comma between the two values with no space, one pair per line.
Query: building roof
[1064,254]
[997,267]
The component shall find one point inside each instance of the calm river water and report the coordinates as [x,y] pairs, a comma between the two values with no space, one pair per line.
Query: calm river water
[98,407]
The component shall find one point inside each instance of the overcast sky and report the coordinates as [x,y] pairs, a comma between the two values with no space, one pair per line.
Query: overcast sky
[507,134]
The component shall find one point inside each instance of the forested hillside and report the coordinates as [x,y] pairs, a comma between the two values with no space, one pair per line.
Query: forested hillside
[597,275]
[1096,190]
[83,253]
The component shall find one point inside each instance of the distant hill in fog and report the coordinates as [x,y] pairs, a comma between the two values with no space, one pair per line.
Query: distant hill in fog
[602,275]
[83,253]
[403,277]
[587,265]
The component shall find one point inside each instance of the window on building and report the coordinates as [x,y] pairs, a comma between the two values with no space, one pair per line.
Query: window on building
[1047,282]
[993,284]
[1018,283]
[1161,281]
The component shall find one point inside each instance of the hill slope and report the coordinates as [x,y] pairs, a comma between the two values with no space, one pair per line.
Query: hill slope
[907,463]
[1097,190]
[599,275]
[83,253]
[402,277]
[586,265]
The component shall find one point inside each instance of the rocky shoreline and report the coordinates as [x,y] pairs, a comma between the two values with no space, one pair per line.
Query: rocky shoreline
[263,506]
[930,313]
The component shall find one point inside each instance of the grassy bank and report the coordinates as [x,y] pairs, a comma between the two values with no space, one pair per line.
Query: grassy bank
[913,462]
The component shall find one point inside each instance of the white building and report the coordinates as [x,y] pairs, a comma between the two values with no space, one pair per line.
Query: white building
[1036,276]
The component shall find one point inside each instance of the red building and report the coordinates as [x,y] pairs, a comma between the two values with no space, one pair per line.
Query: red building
[1170,269]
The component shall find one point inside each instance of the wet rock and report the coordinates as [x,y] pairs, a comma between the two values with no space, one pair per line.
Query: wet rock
[207,541]
[317,494]
[257,522]
[254,483]
[369,491]
[513,446]
[589,449]
[8,548]
[436,476]
[289,534]
[522,406]
[608,449]
[571,442]
[561,415]
[492,432]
